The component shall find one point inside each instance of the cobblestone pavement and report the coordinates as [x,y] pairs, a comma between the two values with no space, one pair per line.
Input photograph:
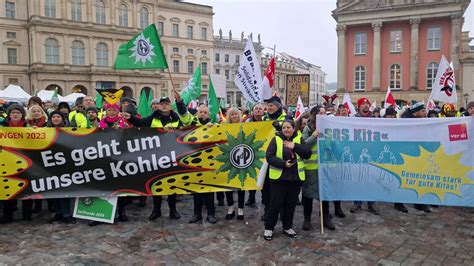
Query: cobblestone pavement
[445,236]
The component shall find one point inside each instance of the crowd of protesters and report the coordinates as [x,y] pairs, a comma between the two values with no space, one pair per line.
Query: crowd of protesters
[292,154]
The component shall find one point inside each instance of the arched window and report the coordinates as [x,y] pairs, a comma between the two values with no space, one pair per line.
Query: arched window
[100,12]
[395,77]
[431,71]
[51,51]
[102,54]
[144,17]
[76,12]
[78,53]
[123,16]
[359,78]
[50,8]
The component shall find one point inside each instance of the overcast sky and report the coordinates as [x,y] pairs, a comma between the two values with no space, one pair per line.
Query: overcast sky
[302,28]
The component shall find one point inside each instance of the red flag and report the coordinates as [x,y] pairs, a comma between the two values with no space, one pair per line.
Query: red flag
[299,108]
[268,79]
[389,100]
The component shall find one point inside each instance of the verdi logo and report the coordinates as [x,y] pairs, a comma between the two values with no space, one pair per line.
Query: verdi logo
[241,156]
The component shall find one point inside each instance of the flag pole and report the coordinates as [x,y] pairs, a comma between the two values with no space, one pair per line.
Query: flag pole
[321,216]
[172,82]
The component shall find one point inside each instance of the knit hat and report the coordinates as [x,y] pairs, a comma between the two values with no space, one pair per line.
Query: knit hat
[155,101]
[470,105]
[361,101]
[114,106]
[417,107]
[65,105]
[93,109]
[18,108]
[129,100]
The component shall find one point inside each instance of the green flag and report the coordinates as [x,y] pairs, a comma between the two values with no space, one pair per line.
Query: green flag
[193,87]
[213,103]
[144,104]
[55,97]
[98,100]
[144,51]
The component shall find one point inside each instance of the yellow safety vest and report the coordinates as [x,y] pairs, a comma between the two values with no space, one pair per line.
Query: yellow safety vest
[312,162]
[156,123]
[275,173]
[281,118]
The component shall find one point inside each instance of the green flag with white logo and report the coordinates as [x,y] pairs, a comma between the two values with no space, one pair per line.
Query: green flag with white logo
[193,87]
[213,103]
[144,51]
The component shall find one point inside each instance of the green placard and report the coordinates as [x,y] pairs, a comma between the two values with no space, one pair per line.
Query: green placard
[96,209]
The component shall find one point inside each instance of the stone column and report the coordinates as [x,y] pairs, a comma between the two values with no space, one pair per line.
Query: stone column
[34,46]
[89,11]
[66,55]
[113,13]
[64,4]
[376,59]
[134,14]
[341,58]
[456,24]
[91,52]
[415,25]
[113,49]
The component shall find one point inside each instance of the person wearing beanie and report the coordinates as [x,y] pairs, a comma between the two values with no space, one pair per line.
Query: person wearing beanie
[470,109]
[165,118]
[125,102]
[16,117]
[363,108]
[376,112]
[274,113]
[389,112]
[56,119]
[432,114]
[155,104]
[92,118]
[449,110]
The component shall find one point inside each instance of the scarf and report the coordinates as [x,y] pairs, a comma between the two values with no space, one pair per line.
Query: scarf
[38,123]
[20,124]
[106,121]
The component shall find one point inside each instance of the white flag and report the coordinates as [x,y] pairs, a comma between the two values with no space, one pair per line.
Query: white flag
[348,104]
[249,76]
[299,108]
[444,86]
[373,106]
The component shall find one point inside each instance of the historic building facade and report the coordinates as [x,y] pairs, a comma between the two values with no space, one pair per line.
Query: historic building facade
[396,44]
[227,54]
[72,44]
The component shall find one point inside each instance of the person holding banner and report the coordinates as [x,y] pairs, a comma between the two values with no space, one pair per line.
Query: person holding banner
[363,105]
[164,118]
[201,199]
[258,111]
[417,110]
[16,117]
[311,183]
[62,206]
[285,155]
[234,116]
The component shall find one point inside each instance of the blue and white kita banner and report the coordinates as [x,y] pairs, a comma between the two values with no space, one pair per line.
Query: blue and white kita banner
[428,160]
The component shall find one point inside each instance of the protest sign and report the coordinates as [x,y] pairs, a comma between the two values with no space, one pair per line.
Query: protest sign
[428,161]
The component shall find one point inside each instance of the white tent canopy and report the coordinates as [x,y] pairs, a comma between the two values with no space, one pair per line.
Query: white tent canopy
[14,93]
[46,95]
[71,98]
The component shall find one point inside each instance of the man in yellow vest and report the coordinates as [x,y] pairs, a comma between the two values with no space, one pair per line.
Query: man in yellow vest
[78,117]
[164,118]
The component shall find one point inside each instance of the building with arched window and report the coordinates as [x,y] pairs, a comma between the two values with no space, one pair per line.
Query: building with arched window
[399,44]
[73,44]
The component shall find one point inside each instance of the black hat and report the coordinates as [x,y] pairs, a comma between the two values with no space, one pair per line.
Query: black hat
[390,111]
[274,100]
[65,105]
[129,99]
[56,112]
[131,109]
[165,99]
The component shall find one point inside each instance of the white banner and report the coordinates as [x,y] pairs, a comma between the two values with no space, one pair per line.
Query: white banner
[249,76]
[220,85]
